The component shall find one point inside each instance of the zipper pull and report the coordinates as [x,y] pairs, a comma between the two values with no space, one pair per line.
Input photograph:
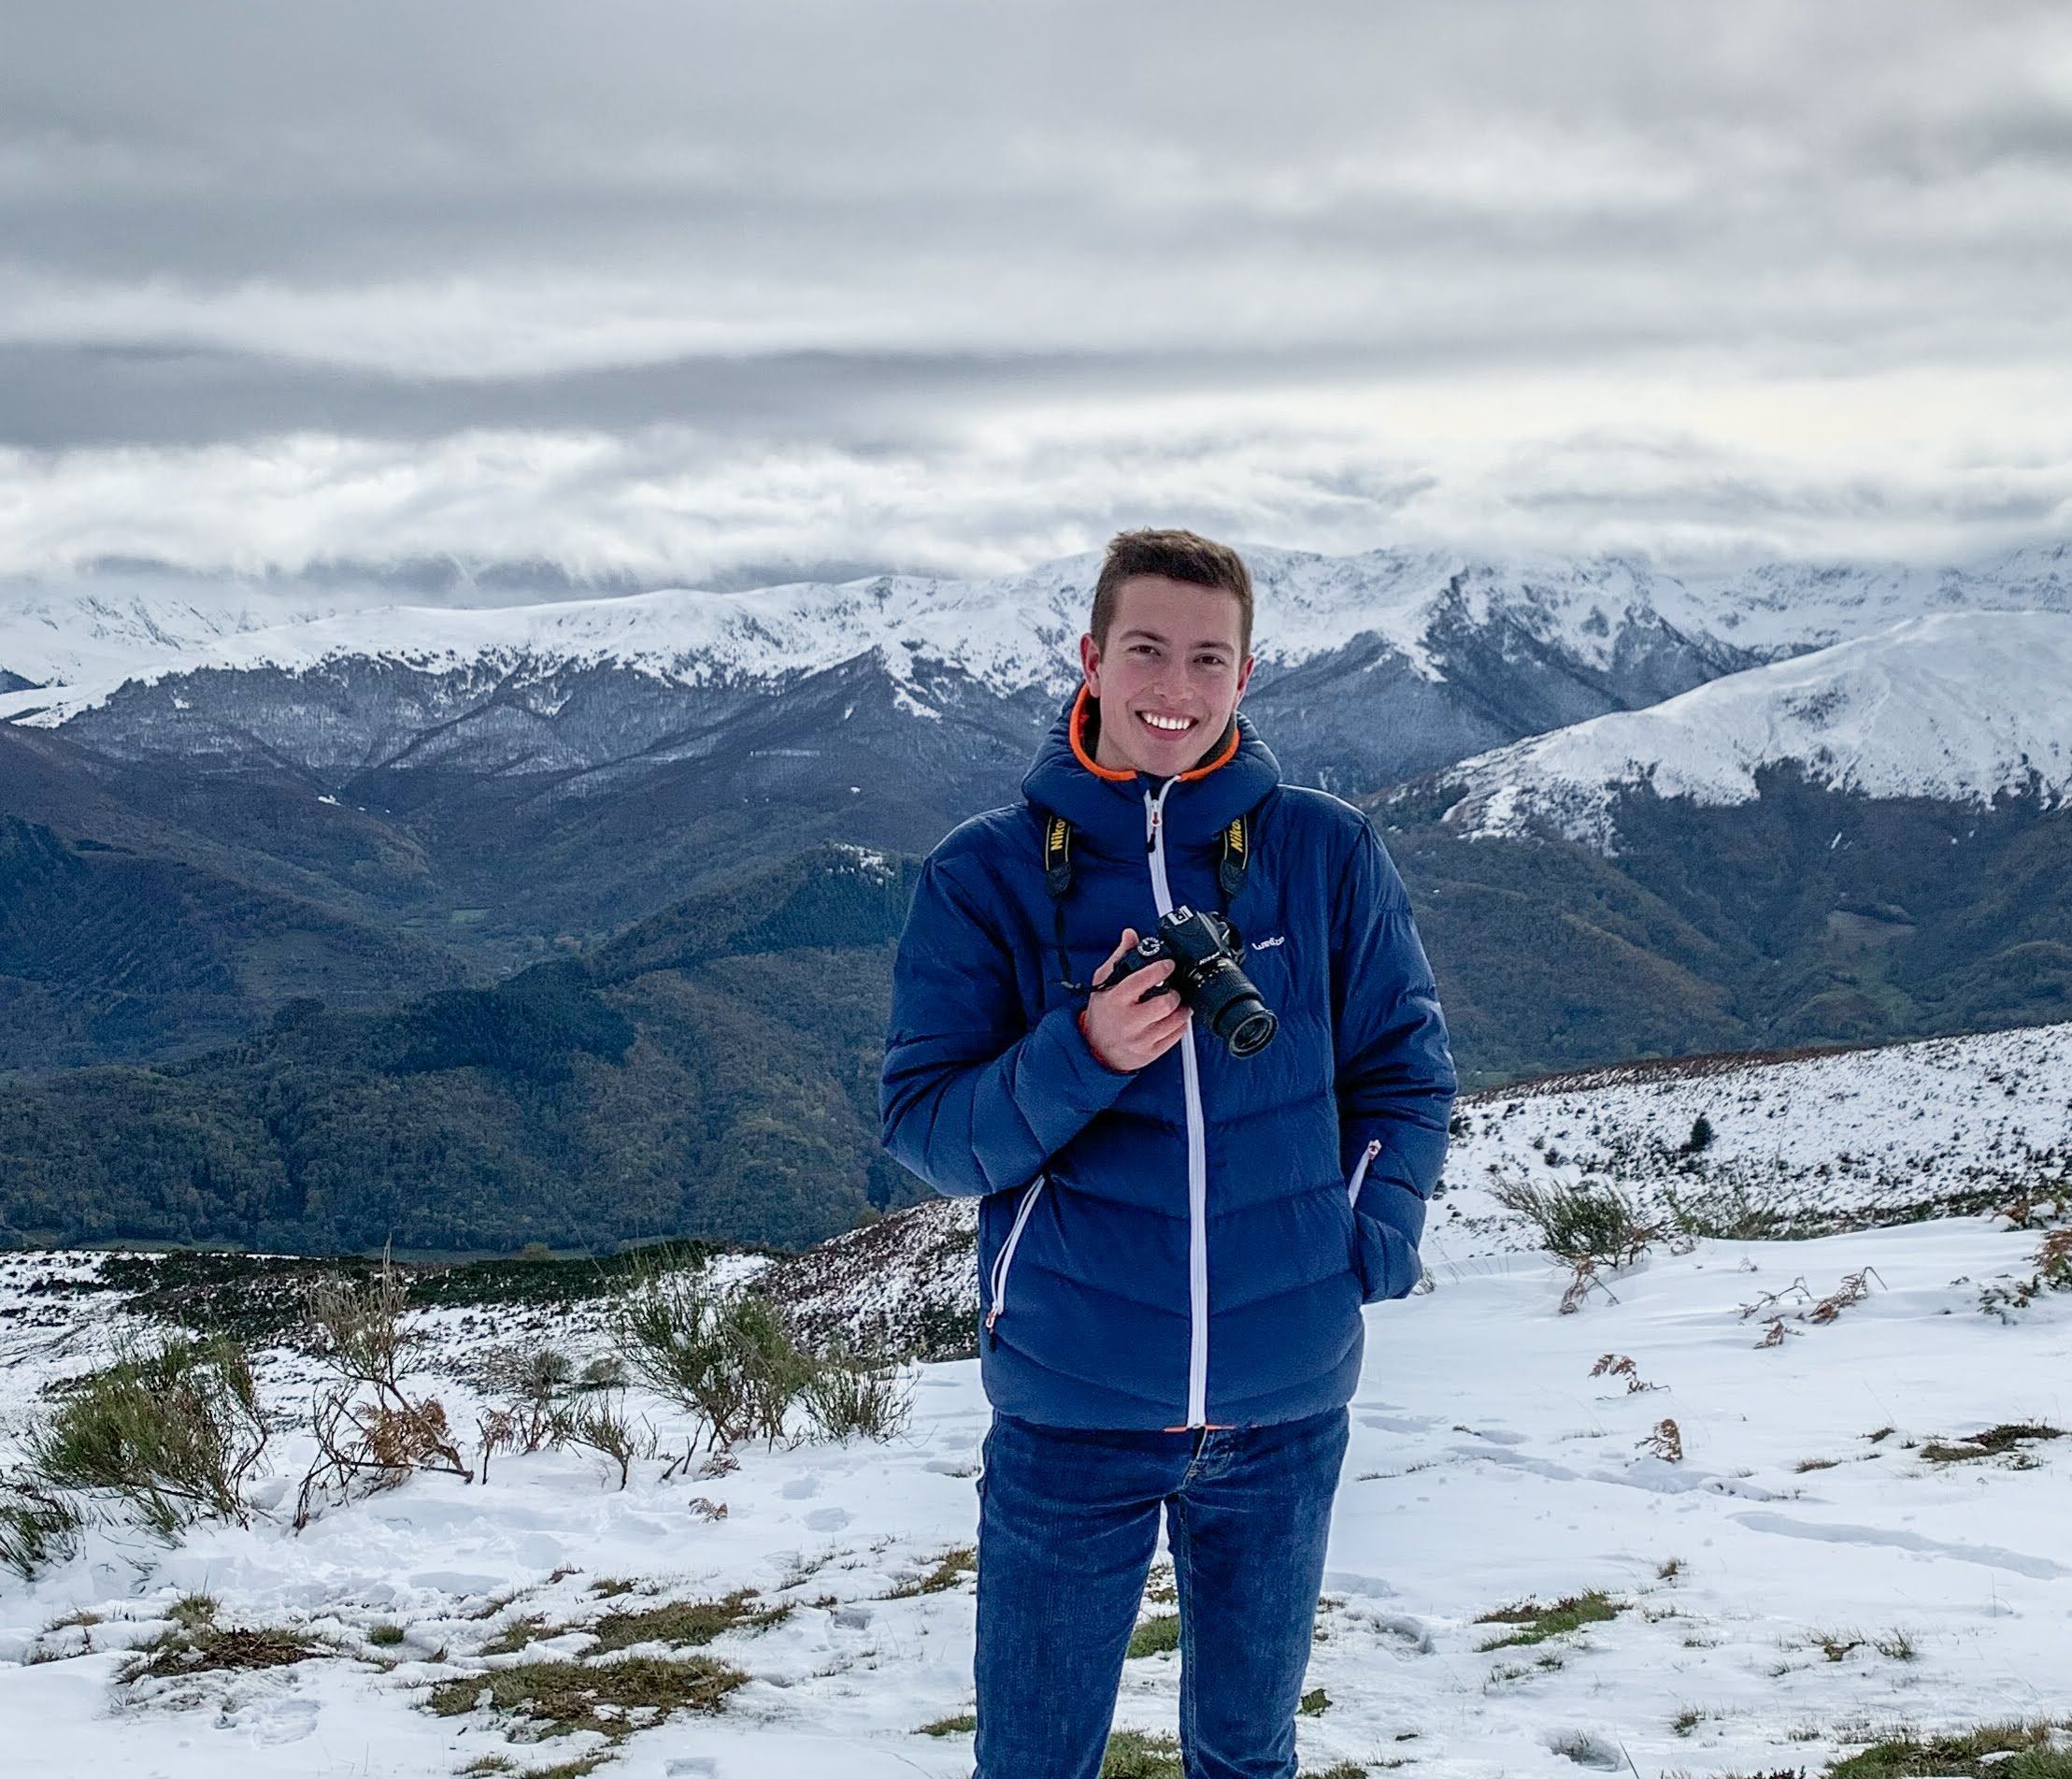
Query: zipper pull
[1360,1173]
[993,1340]
[1151,830]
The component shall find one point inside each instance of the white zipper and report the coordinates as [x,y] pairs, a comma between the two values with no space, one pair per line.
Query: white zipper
[1008,1247]
[1360,1173]
[1197,1147]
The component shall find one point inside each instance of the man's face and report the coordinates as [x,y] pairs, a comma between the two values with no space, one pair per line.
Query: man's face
[1170,676]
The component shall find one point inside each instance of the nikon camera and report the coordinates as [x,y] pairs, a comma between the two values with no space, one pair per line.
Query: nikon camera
[1204,951]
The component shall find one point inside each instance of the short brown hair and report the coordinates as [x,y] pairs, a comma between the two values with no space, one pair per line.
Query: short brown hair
[1179,555]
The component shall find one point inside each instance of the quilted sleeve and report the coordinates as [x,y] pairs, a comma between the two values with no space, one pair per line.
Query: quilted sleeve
[1395,1079]
[971,1100]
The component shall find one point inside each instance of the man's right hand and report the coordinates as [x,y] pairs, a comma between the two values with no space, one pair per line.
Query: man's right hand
[1138,1020]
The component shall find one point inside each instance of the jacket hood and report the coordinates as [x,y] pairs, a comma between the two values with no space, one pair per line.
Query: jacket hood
[1108,808]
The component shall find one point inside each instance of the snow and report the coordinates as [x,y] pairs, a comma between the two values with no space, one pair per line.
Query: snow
[1830,1137]
[1486,1466]
[1960,707]
[1755,1578]
[1011,632]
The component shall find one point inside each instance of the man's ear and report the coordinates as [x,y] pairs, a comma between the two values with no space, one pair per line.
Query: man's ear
[1244,678]
[1090,664]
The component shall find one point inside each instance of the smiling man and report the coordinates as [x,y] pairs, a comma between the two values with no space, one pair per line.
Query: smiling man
[1174,1240]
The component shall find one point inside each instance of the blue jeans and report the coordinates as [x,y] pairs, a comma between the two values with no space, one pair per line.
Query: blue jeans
[1067,1523]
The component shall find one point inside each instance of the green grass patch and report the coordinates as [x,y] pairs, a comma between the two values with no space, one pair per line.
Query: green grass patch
[962,1724]
[519,1634]
[955,1564]
[211,1649]
[1993,1751]
[1155,1636]
[2010,1437]
[385,1636]
[1133,1754]
[1537,1623]
[614,1699]
[194,1612]
[1315,1703]
[688,1624]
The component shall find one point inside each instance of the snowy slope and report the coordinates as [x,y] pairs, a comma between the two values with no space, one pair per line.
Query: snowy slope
[1008,632]
[1818,1142]
[1958,706]
[1767,1609]
[1806,1569]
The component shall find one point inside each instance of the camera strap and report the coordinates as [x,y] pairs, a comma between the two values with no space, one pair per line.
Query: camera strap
[1057,879]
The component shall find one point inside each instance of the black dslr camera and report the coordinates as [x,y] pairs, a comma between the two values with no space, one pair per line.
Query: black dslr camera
[1204,951]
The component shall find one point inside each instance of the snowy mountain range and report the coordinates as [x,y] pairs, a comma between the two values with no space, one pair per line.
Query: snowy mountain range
[1372,668]
[1783,780]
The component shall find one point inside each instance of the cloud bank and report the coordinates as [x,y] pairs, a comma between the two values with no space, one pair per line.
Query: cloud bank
[667,292]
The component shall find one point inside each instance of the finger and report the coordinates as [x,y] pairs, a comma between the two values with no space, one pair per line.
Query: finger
[1101,977]
[1155,987]
[1148,1017]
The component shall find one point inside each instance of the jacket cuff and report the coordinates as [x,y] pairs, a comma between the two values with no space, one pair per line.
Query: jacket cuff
[1087,1037]
[1070,1082]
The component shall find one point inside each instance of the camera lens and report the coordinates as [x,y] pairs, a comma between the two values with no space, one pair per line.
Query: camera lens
[1253,1033]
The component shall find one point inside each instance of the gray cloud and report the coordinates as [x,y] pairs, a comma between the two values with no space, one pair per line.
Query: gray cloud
[959,284]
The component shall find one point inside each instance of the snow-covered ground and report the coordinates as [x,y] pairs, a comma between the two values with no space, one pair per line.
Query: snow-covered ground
[1811,1572]
[1487,1465]
[1818,1141]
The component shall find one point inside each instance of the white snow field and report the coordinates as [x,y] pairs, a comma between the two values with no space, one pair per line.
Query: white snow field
[1812,1571]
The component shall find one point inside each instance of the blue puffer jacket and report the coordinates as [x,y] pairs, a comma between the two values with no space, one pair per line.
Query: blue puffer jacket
[1189,1244]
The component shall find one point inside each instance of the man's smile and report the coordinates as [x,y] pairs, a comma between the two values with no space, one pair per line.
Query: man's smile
[1166,725]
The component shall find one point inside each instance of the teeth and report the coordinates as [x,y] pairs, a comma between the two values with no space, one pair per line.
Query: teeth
[1172,724]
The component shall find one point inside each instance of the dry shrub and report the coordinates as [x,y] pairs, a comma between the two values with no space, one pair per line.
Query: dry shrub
[1617,1365]
[554,1407]
[1666,1441]
[371,1433]
[1853,1289]
[2053,1273]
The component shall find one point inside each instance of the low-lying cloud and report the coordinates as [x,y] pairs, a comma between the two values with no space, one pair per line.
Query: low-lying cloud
[643,292]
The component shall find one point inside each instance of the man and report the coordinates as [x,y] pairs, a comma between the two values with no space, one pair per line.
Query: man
[1174,1242]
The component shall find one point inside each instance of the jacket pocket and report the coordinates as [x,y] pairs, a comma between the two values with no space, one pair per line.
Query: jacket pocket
[1360,1170]
[1357,1249]
[1003,1262]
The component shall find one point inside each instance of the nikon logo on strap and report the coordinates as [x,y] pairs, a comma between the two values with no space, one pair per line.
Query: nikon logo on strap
[1230,869]
[1057,855]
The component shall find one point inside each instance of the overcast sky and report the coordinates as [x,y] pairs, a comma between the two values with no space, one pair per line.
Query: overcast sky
[714,294]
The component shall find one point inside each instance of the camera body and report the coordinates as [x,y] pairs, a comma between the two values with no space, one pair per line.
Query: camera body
[1206,975]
